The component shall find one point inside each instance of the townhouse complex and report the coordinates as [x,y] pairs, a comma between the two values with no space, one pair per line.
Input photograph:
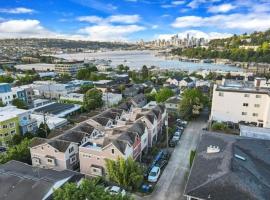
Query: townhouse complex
[126,131]
[242,101]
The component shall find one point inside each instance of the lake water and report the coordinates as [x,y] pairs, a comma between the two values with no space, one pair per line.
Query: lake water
[136,59]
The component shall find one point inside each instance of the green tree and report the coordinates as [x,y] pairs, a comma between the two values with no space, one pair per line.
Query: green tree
[122,87]
[16,139]
[19,103]
[64,77]
[217,126]
[88,189]
[2,104]
[164,94]
[150,97]
[92,99]
[192,103]
[145,73]
[85,88]
[43,130]
[6,79]
[127,173]
[191,157]
[18,152]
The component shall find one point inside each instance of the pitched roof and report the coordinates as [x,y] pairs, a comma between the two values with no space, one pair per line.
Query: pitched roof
[22,181]
[101,120]
[138,127]
[60,145]
[37,141]
[222,176]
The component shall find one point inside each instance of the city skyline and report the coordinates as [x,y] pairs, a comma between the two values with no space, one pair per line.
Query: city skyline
[131,20]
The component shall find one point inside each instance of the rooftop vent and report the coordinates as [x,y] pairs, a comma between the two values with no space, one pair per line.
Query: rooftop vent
[239,157]
[213,149]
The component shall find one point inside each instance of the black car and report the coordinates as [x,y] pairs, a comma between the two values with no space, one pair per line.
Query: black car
[172,143]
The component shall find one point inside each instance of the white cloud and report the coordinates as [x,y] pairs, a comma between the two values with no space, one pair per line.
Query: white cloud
[243,22]
[196,3]
[30,28]
[123,19]
[19,10]
[196,34]
[108,32]
[23,28]
[91,19]
[108,29]
[223,8]
[155,26]
[178,3]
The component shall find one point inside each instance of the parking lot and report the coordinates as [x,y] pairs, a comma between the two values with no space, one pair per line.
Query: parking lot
[171,184]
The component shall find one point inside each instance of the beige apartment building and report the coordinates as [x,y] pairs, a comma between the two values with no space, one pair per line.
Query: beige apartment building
[242,101]
[54,154]
[119,142]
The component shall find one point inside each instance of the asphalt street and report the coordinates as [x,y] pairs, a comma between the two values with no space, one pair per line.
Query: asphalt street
[172,182]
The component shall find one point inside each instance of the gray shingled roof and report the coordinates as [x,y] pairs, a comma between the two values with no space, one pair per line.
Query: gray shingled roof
[60,145]
[101,120]
[222,176]
[21,181]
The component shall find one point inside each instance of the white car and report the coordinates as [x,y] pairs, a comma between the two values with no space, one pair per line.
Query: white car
[114,190]
[154,174]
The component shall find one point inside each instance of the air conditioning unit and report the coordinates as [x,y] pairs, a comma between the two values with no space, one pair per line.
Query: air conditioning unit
[213,149]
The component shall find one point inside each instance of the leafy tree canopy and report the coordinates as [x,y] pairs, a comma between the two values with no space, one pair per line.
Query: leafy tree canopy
[88,189]
[92,99]
[164,94]
[127,173]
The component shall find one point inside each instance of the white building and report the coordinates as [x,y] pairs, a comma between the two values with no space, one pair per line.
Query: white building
[72,97]
[111,99]
[52,121]
[39,67]
[242,101]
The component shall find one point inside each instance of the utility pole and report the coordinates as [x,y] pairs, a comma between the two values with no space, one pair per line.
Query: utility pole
[167,131]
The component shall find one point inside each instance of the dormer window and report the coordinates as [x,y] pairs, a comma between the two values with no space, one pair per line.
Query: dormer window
[112,151]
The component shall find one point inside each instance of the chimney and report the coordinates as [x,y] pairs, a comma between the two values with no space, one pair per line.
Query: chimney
[257,82]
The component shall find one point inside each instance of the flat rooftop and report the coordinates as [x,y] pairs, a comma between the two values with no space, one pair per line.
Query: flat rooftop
[57,109]
[9,112]
[242,86]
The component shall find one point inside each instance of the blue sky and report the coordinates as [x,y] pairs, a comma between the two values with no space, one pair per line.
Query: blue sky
[131,20]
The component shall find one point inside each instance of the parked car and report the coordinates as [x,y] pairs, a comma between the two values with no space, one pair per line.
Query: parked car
[115,190]
[182,122]
[172,143]
[162,163]
[3,149]
[154,174]
[177,136]
[166,155]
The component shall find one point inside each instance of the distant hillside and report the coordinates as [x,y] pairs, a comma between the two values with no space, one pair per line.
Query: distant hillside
[61,43]
[256,38]
[243,48]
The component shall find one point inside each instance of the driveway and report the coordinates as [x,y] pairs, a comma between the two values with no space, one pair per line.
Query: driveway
[172,182]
